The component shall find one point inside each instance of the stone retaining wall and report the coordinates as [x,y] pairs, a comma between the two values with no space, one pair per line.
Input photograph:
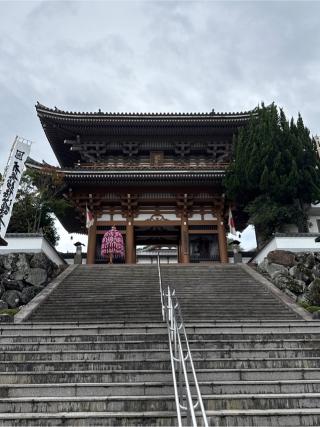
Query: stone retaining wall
[297,274]
[23,276]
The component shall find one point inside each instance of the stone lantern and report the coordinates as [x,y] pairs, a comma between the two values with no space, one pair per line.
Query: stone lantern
[237,257]
[78,254]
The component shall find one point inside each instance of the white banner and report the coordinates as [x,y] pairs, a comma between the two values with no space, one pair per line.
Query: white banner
[18,155]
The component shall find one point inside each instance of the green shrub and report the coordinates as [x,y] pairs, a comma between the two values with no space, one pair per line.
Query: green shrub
[10,311]
[313,308]
[313,294]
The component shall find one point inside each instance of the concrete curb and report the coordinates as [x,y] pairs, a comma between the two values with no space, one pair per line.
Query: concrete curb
[28,309]
[285,299]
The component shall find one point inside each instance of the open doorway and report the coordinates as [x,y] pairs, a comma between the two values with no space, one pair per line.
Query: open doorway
[151,240]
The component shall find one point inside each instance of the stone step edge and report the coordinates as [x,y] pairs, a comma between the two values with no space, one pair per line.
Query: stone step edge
[39,299]
[230,322]
[286,325]
[164,359]
[211,323]
[239,396]
[158,414]
[155,384]
[162,350]
[213,337]
[162,331]
[73,415]
[279,295]
[156,371]
[165,342]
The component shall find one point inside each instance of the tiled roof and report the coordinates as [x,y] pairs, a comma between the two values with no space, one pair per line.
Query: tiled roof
[58,112]
[61,126]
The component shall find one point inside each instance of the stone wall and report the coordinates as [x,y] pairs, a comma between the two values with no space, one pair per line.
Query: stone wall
[295,273]
[23,276]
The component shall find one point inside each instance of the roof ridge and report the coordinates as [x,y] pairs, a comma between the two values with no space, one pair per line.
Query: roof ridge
[40,107]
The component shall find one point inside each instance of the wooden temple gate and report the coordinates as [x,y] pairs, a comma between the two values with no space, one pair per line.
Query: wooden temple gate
[197,230]
[158,177]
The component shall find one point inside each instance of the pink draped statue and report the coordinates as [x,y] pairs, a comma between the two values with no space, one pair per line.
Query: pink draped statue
[112,245]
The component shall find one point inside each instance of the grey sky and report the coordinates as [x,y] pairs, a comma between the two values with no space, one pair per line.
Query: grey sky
[154,56]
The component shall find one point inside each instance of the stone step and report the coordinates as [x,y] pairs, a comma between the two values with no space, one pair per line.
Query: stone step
[73,365]
[139,403]
[278,417]
[122,312]
[221,345]
[130,316]
[147,375]
[129,354]
[88,404]
[86,345]
[116,336]
[258,328]
[100,300]
[268,418]
[152,418]
[156,388]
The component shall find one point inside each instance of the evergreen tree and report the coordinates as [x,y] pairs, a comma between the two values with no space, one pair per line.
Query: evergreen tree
[36,204]
[274,175]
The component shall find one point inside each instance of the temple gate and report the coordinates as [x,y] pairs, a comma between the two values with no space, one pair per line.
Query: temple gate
[157,177]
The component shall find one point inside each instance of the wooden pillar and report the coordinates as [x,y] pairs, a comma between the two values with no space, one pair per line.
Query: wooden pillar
[184,254]
[130,249]
[92,240]
[222,238]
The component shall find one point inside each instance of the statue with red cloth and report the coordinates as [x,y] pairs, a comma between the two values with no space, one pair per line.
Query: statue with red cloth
[112,245]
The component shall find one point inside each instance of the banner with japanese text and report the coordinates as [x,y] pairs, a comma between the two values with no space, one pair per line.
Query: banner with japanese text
[18,155]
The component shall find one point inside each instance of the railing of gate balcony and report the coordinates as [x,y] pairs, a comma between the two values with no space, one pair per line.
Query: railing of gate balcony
[181,359]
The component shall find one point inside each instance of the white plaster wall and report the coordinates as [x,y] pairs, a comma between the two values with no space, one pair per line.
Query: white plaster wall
[198,217]
[142,217]
[293,244]
[25,244]
[51,253]
[271,246]
[104,217]
[115,217]
[245,260]
[195,216]
[31,244]
[70,261]
[153,260]
[209,216]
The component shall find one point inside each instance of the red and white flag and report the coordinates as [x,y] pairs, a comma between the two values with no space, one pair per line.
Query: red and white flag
[232,227]
[89,217]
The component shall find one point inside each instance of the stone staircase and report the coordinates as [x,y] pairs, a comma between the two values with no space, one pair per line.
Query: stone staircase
[223,292]
[257,362]
[250,374]
[117,293]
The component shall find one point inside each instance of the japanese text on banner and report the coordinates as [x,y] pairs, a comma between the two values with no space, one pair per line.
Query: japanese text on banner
[19,155]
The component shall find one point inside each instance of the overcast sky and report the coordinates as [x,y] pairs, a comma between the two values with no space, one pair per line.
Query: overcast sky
[154,56]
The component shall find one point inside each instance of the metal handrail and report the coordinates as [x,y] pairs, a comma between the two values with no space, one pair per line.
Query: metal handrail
[160,284]
[180,358]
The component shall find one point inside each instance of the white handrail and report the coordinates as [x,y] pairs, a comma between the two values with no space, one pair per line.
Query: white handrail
[160,284]
[180,358]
